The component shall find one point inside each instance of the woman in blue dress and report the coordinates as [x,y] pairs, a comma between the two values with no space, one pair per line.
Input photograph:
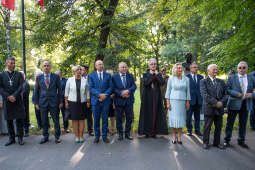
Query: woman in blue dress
[178,97]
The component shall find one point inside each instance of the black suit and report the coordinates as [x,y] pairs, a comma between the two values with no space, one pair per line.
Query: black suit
[211,94]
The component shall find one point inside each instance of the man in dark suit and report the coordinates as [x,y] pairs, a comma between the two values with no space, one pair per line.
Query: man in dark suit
[25,95]
[196,100]
[213,91]
[240,90]
[100,86]
[252,114]
[124,88]
[84,72]
[48,99]
[63,86]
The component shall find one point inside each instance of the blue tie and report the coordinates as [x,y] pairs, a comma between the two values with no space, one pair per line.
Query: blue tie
[124,82]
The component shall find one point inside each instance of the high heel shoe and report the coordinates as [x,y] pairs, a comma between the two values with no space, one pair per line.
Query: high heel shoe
[174,141]
[179,142]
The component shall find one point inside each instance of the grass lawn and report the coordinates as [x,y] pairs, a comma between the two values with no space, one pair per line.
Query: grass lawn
[135,123]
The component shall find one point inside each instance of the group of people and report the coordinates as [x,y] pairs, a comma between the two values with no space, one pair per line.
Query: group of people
[176,99]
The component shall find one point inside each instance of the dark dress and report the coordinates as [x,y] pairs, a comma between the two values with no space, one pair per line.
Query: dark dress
[78,110]
[111,110]
[16,109]
[152,115]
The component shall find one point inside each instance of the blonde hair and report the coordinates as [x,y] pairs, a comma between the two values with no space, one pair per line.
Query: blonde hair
[174,70]
[75,68]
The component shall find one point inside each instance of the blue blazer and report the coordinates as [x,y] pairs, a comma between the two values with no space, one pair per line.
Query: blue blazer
[233,88]
[118,88]
[51,96]
[195,89]
[95,87]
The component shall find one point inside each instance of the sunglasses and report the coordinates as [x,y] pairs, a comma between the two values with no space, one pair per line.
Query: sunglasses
[241,68]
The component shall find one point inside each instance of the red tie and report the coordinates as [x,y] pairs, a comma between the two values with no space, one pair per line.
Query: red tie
[47,81]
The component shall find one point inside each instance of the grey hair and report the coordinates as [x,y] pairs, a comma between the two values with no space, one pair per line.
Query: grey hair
[46,61]
[174,70]
[122,63]
[211,66]
[75,68]
[152,59]
[242,62]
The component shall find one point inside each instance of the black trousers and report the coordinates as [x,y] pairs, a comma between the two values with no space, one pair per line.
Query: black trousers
[38,118]
[243,117]
[26,120]
[89,119]
[11,131]
[65,122]
[209,120]
[196,110]
[54,112]
[128,109]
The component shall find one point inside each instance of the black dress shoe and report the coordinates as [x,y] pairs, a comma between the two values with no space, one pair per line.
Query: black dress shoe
[226,144]
[198,133]
[189,133]
[91,134]
[20,141]
[120,137]
[243,145]
[57,141]
[106,140]
[219,146]
[206,146]
[179,142]
[127,136]
[11,141]
[96,140]
[44,140]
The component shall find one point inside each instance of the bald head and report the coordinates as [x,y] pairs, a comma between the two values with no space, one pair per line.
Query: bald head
[123,68]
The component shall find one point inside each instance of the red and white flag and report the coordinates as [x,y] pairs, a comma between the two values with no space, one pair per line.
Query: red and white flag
[41,3]
[8,4]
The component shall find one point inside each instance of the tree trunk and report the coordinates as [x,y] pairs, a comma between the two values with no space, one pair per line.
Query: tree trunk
[107,17]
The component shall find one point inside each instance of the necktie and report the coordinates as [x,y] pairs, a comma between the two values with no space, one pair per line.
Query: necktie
[47,80]
[214,82]
[100,77]
[242,84]
[124,82]
[194,78]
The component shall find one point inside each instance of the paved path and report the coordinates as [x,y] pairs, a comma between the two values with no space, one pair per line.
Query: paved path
[139,154]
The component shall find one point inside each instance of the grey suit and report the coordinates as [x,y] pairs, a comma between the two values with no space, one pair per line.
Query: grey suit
[211,94]
[238,106]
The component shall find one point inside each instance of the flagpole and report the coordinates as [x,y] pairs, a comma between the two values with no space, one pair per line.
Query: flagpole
[23,37]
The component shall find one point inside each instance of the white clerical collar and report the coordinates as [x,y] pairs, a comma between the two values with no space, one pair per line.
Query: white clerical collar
[10,71]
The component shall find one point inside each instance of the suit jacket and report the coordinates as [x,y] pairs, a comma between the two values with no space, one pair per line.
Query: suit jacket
[233,88]
[195,89]
[96,88]
[212,94]
[51,96]
[118,88]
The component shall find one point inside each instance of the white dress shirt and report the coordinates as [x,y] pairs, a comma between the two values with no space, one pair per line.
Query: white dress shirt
[102,75]
[245,83]
[194,77]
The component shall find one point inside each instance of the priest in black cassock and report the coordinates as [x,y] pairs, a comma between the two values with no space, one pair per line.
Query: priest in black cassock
[152,115]
[11,86]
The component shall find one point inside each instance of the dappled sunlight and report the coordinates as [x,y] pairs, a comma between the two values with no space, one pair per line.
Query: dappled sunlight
[77,156]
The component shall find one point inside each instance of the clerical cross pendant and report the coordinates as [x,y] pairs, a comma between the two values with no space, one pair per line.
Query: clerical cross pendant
[10,82]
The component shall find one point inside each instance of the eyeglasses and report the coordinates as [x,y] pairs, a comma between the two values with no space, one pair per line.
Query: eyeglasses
[242,68]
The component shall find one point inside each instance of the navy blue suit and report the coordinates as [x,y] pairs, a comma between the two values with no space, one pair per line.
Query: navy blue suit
[25,94]
[252,115]
[195,103]
[96,87]
[63,86]
[48,100]
[239,106]
[123,104]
